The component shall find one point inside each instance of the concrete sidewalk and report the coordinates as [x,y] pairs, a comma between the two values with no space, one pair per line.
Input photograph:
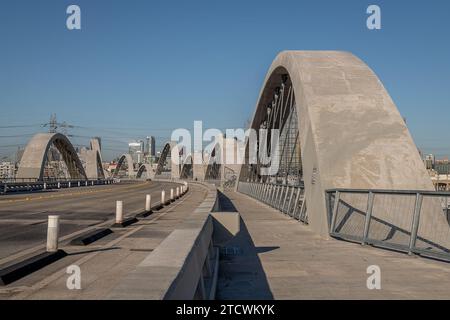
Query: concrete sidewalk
[276,257]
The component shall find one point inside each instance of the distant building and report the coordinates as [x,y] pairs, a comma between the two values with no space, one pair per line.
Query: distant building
[136,150]
[150,147]
[7,170]
[429,161]
[442,166]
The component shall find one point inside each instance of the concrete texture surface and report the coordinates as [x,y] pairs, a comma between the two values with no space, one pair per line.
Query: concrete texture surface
[276,257]
[351,133]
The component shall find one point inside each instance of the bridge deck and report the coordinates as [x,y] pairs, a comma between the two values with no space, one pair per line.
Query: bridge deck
[277,257]
[105,262]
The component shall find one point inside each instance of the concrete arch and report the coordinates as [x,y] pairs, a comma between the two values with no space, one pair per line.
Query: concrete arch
[213,161]
[35,156]
[187,169]
[351,134]
[93,161]
[94,168]
[145,168]
[171,151]
[125,158]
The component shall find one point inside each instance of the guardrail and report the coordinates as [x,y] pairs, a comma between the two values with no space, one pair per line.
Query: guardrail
[6,187]
[412,221]
[287,199]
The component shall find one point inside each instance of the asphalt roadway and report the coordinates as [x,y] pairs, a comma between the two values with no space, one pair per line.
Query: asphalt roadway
[23,216]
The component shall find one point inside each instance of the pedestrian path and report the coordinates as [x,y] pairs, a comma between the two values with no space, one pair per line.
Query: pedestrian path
[277,257]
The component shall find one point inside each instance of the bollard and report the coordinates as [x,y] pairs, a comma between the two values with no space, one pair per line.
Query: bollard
[52,233]
[45,185]
[59,185]
[163,197]
[85,183]
[171,194]
[69,184]
[148,202]
[78,183]
[119,212]
[178,192]
[92,183]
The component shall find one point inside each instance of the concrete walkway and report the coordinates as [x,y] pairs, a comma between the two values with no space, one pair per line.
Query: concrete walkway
[276,257]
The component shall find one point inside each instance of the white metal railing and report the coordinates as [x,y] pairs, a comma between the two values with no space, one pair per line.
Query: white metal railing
[287,199]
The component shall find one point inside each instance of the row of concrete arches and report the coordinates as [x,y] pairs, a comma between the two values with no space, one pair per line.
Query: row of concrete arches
[35,159]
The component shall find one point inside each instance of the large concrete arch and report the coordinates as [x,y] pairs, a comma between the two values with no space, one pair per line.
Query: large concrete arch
[125,158]
[35,156]
[351,133]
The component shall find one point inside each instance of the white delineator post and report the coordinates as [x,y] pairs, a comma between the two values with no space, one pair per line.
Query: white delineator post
[148,202]
[52,233]
[163,197]
[119,211]
[178,192]
[171,194]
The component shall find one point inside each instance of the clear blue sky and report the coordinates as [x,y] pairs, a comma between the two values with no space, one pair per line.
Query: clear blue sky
[144,67]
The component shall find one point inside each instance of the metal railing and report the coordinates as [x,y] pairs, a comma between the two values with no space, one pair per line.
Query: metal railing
[7,187]
[416,222]
[288,199]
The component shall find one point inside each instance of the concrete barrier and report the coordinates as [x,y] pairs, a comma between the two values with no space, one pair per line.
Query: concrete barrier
[185,264]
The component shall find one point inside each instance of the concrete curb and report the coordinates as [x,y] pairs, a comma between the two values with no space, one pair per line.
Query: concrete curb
[90,236]
[23,268]
[125,223]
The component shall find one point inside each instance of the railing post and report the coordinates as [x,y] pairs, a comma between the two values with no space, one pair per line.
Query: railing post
[368,217]
[337,196]
[288,210]
[285,198]
[415,223]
